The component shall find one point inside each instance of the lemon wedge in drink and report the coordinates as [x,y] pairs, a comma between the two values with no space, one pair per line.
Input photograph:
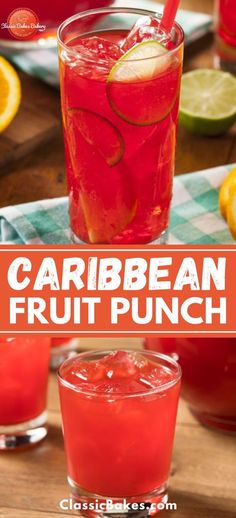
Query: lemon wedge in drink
[208,102]
[10,93]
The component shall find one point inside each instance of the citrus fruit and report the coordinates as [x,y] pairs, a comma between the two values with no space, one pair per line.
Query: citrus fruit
[106,194]
[100,133]
[231,209]
[137,85]
[10,93]
[224,192]
[208,101]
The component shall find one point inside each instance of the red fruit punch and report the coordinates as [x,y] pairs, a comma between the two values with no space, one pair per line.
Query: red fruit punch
[120,135]
[119,412]
[24,375]
[209,376]
[227,21]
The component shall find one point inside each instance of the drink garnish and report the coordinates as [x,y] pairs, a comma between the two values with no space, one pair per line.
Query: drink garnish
[132,77]
[100,133]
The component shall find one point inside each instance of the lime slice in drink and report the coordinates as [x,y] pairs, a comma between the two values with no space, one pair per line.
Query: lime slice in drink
[100,133]
[105,194]
[137,88]
[140,63]
[208,102]
[101,224]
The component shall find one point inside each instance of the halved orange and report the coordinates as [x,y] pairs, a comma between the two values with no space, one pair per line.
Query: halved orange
[10,93]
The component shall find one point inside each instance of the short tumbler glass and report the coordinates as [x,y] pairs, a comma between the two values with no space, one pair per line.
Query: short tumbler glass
[119,445]
[24,365]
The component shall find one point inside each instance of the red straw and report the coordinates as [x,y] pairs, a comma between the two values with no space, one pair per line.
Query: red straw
[169,14]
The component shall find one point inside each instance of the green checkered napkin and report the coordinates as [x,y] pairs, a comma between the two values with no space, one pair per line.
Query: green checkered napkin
[195,218]
[43,63]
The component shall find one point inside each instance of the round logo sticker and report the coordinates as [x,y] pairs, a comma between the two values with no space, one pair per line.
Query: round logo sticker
[22,23]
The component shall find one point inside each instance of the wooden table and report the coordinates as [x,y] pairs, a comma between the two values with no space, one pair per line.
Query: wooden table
[202,482]
[41,173]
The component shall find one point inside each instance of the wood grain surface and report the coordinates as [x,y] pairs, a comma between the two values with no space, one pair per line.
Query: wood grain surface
[41,173]
[35,124]
[202,481]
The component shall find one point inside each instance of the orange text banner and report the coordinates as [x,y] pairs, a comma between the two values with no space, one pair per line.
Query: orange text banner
[123,291]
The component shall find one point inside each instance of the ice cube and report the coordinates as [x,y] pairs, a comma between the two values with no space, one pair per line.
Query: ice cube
[155,377]
[99,48]
[140,361]
[92,51]
[109,388]
[91,371]
[119,364]
[146,28]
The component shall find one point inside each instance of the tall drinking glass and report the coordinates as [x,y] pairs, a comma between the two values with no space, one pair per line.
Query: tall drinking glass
[120,81]
[119,411]
[226,34]
[24,364]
